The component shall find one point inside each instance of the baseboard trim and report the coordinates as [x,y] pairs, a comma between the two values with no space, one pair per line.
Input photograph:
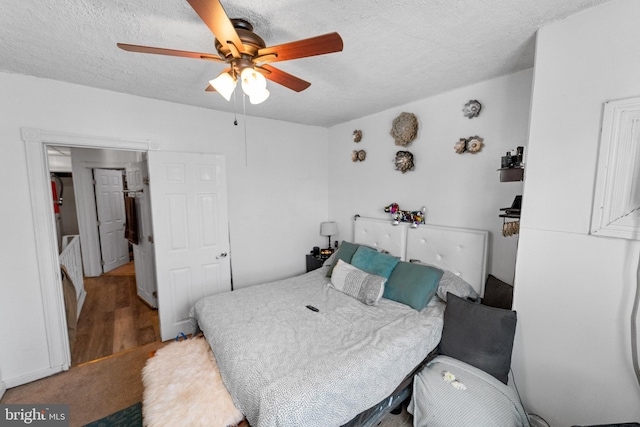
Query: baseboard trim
[3,388]
[32,376]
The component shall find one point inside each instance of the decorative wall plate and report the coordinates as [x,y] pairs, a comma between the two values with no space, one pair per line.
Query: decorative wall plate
[404,161]
[473,144]
[358,155]
[472,109]
[404,129]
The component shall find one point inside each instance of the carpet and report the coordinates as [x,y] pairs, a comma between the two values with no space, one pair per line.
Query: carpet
[127,417]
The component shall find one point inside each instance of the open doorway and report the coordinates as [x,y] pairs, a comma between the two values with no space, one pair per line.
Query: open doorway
[191,248]
[101,198]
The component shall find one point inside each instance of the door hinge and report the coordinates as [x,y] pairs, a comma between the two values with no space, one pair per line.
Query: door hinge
[145,180]
[102,263]
[98,223]
[93,182]
[150,238]
[155,294]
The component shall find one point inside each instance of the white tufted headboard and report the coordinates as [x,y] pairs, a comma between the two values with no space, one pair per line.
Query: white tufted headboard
[462,251]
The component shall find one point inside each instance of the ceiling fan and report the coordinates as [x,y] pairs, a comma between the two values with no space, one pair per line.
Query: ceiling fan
[246,53]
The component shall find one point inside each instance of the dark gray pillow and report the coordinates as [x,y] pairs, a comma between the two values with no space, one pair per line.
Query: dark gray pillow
[345,253]
[497,293]
[479,335]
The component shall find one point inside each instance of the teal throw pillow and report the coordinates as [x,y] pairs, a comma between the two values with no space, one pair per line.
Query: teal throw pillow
[345,253]
[412,284]
[374,262]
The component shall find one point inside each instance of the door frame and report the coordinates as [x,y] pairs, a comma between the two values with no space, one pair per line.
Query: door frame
[36,141]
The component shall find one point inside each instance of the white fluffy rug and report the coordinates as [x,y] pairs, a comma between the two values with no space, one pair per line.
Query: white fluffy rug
[183,387]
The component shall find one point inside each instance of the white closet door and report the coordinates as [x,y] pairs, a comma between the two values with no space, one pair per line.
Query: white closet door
[111,218]
[189,209]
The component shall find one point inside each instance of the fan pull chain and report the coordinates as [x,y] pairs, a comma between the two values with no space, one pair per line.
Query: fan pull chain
[244,112]
[235,110]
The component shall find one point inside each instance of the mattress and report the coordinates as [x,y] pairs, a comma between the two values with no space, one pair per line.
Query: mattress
[286,365]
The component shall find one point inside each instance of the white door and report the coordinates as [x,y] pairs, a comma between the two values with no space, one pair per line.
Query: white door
[111,218]
[143,252]
[191,233]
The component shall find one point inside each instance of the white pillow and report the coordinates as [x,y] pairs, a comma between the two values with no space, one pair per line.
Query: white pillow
[366,288]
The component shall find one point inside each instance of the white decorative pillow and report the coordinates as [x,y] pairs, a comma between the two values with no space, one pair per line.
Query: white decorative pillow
[456,285]
[366,288]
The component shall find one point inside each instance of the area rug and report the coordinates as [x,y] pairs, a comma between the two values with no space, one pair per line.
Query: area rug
[127,417]
[183,387]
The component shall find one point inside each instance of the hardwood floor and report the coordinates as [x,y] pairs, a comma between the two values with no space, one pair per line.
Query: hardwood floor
[113,319]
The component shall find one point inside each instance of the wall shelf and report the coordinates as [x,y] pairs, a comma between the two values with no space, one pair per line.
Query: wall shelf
[511,174]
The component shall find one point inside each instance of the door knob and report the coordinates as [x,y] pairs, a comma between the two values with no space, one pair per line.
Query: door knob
[222,255]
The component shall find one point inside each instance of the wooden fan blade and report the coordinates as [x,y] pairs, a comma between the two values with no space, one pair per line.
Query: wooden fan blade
[169,52]
[213,15]
[285,79]
[319,45]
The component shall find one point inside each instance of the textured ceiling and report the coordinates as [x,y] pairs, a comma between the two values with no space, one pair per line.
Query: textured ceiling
[394,51]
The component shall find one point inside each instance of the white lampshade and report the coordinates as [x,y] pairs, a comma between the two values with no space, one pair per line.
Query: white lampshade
[257,98]
[224,84]
[253,83]
[329,228]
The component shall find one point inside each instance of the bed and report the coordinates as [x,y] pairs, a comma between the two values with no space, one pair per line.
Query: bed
[341,362]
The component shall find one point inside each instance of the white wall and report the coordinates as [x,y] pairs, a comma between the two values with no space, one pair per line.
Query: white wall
[574,292]
[457,190]
[276,199]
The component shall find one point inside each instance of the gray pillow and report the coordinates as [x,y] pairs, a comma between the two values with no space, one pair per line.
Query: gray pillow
[345,253]
[451,282]
[497,293]
[479,335]
[456,285]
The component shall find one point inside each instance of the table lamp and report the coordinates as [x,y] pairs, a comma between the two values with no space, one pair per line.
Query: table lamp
[328,229]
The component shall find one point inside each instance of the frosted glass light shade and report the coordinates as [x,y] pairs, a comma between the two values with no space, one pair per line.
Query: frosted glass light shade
[224,84]
[253,82]
[257,98]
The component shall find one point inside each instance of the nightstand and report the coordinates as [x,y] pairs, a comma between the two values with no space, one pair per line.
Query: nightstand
[314,262]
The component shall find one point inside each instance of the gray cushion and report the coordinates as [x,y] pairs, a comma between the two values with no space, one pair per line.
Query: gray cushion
[497,293]
[479,335]
[345,253]
[452,283]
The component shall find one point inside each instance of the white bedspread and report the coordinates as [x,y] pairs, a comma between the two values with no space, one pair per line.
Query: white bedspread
[285,365]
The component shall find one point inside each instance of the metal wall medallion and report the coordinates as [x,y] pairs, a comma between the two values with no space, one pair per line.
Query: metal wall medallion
[404,161]
[473,144]
[358,155]
[472,109]
[404,129]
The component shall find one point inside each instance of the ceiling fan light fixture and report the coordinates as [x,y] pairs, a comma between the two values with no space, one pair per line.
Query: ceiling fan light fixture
[259,97]
[253,82]
[224,84]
